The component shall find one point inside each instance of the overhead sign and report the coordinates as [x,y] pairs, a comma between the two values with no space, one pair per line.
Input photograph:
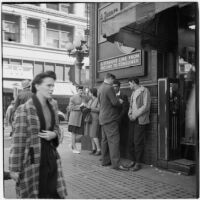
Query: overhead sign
[104,14]
[17,71]
[129,60]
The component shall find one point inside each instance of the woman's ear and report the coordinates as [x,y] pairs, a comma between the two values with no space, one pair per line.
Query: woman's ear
[36,87]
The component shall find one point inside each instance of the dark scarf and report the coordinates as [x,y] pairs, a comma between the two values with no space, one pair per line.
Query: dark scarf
[48,164]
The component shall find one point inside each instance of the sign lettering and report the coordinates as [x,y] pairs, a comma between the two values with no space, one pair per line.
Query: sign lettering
[130,60]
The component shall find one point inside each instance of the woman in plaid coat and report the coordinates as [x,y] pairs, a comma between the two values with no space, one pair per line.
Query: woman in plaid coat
[34,162]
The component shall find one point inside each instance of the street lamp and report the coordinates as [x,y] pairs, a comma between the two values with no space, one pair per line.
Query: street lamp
[79,50]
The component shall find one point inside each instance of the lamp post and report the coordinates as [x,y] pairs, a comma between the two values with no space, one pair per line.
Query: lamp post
[79,50]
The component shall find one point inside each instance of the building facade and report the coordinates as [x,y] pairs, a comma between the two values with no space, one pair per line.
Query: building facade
[35,38]
[158,42]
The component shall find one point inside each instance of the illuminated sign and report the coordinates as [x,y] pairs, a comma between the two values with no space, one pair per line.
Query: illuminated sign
[130,60]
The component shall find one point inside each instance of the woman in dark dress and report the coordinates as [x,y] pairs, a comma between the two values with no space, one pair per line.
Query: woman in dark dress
[76,123]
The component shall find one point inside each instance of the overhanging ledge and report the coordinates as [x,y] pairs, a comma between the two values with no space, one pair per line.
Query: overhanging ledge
[135,13]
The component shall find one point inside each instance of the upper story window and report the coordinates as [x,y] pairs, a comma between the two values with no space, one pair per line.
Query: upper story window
[33,32]
[11,28]
[67,7]
[58,35]
[54,6]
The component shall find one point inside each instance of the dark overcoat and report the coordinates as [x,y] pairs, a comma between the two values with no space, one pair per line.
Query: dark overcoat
[25,137]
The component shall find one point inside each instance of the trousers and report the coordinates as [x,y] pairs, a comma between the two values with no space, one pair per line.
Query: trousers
[136,141]
[110,144]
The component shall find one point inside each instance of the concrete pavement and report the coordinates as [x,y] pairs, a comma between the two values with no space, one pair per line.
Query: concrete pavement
[87,179]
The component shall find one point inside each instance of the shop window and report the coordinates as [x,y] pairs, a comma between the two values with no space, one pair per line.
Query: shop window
[32,32]
[49,67]
[16,62]
[38,68]
[5,61]
[54,6]
[59,72]
[67,69]
[10,28]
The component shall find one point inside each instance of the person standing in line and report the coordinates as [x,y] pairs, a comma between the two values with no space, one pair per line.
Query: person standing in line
[34,162]
[92,128]
[76,122]
[123,116]
[24,95]
[9,113]
[108,118]
[139,111]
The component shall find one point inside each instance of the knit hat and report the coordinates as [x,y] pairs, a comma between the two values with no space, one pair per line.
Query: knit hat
[26,83]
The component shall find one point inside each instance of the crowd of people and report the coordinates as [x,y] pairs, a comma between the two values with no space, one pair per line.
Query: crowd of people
[104,115]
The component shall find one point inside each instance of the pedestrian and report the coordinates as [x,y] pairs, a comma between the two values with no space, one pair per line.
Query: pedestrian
[123,117]
[9,113]
[139,111]
[108,118]
[76,122]
[25,94]
[34,162]
[92,127]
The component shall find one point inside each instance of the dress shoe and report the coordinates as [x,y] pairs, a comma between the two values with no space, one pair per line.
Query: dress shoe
[131,164]
[98,153]
[136,167]
[106,164]
[92,152]
[121,168]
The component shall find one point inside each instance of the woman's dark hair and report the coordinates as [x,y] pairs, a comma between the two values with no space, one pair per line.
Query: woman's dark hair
[94,91]
[39,78]
[135,79]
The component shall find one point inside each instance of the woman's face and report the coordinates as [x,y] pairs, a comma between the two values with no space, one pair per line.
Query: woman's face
[46,88]
[80,92]
[90,94]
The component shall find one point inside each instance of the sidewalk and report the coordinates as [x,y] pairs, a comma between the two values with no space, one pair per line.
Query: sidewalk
[87,179]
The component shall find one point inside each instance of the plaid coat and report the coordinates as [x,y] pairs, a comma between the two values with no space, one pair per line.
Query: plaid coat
[25,137]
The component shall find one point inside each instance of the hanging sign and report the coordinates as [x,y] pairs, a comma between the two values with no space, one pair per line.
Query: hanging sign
[129,60]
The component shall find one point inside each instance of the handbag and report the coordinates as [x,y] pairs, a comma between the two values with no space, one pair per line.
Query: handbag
[88,118]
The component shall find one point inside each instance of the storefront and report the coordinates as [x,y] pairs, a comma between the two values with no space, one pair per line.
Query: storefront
[158,42]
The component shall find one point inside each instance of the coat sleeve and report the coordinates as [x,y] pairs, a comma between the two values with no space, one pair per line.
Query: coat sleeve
[72,105]
[113,98]
[125,107]
[57,129]
[146,103]
[18,145]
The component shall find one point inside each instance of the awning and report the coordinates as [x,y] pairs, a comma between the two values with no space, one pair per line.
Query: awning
[137,13]
[61,88]
[64,89]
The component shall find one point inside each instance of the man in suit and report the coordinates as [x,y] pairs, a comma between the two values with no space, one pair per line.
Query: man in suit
[139,111]
[108,119]
[123,117]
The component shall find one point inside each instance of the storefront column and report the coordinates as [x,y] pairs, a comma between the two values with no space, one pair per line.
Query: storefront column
[23,29]
[42,32]
[78,68]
